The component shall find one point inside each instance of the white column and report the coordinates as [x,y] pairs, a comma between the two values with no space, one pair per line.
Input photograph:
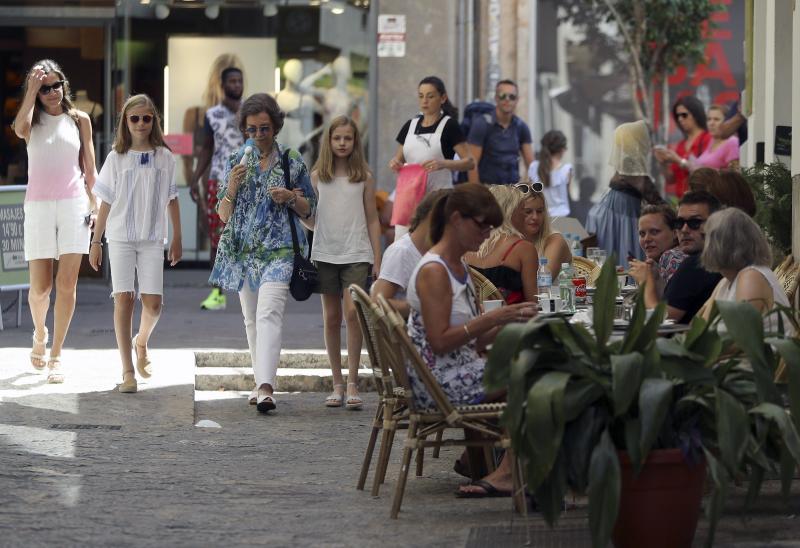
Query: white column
[795,167]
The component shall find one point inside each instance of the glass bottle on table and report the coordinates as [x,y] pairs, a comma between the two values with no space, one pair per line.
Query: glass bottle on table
[566,288]
[544,278]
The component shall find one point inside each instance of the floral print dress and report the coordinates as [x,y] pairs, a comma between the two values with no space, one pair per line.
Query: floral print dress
[459,372]
[256,243]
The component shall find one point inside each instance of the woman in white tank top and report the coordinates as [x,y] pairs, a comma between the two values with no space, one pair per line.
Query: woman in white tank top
[736,248]
[61,173]
[346,249]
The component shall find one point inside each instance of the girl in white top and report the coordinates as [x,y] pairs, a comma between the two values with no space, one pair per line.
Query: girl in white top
[137,188]
[346,242]
[554,175]
[736,248]
[61,174]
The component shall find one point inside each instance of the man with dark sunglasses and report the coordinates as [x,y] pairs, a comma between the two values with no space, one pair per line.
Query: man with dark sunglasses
[497,140]
[691,285]
[222,138]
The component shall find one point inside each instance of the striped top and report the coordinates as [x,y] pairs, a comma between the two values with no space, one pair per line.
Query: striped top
[53,149]
[138,186]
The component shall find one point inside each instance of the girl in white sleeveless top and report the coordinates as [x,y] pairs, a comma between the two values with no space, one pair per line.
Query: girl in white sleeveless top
[346,247]
[736,248]
[58,203]
[432,140]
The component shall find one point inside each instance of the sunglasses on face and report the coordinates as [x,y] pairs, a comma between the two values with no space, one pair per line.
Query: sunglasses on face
[507,96]
[134,118]
[527,188]
[260,130]
[45,90]
[483,226]
[681,115]
[693,224]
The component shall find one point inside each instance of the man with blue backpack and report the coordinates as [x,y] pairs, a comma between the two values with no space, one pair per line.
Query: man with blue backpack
[497,138]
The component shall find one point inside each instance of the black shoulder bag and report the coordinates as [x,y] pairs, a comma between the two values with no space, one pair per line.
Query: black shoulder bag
[304,273]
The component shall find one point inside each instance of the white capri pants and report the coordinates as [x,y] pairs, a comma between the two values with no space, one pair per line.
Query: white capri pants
[143,259]
[55,227]
[263,322]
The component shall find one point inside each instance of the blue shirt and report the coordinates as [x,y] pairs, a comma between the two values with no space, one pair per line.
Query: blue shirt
[501,147]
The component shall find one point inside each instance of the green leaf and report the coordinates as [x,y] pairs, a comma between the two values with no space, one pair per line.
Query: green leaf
[633,433]
[720,493]
[605,297]
[789,350]
[709,345]
[779,415]
[640,338]
[788,466]
[545,424]
[518,384]
[732,429]
[745,326]
[504,350]
[580,394]
[655,397]
[626,375]
[550,493]
[580,437]
[697,327]
[604,490]
[754,488]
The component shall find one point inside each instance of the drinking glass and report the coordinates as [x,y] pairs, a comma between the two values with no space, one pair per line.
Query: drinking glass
[600,256]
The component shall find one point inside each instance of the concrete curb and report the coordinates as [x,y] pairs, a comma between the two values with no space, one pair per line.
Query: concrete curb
[293,359]
[290,379]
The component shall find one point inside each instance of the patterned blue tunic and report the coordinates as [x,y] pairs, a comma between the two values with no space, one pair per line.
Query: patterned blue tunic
[256,243]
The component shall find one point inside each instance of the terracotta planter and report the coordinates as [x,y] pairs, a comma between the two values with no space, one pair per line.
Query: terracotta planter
[659,507]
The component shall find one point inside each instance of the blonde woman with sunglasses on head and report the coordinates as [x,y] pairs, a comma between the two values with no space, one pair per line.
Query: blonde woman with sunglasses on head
[533,221]
[61,174]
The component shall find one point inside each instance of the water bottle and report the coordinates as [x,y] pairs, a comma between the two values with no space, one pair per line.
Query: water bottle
[566,288]
[544,279]
[576,249]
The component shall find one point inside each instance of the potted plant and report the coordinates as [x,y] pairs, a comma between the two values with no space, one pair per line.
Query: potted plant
[604,416]
[772,189]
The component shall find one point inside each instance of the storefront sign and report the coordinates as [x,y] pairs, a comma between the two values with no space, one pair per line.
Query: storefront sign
[391,36]
[179,143]
[13,267]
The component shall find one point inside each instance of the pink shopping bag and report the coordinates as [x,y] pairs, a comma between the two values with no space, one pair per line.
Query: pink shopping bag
[412,180]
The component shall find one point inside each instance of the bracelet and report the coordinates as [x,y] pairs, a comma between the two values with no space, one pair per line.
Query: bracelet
[98,243]
[291,201]
[466,330]
[228,198]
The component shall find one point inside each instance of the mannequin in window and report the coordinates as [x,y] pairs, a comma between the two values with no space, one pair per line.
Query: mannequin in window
[82,102]
[299,106]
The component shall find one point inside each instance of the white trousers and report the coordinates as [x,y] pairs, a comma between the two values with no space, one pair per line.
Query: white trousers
[263,322]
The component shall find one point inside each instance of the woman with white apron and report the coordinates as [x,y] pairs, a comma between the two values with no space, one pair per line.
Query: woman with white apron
[431,140]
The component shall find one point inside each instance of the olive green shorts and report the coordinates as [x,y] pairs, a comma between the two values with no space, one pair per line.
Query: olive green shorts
[335,278]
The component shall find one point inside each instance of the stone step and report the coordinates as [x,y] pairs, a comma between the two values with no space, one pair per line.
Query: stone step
[292,359]
[290,379]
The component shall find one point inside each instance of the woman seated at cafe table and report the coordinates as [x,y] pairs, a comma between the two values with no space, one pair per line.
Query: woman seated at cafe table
[659,243]
[445,323]
[737,248]
[532,220]
[506,258]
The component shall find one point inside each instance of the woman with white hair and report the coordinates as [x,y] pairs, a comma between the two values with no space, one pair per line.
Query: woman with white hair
[615,218]
[533,221]
[737,248]
[506,258]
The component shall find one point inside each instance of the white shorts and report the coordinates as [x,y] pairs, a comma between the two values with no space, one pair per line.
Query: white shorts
[55,227]
[143,259]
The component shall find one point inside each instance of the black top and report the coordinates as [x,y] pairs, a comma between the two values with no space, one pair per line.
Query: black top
[690,287]
[451,134]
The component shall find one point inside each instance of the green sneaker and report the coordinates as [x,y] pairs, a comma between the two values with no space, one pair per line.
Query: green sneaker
[215,301]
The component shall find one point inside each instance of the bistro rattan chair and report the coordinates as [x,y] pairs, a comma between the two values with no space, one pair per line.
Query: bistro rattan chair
[586,268]
[485,290]
[482,420]
[788,274]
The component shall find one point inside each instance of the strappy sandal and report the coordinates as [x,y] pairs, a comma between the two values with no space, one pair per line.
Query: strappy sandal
[336,398]
[253,398]
[353,402]
[54,376]
[142,364]
[38,360]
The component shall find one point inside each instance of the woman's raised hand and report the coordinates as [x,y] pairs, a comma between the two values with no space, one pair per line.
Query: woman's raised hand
[235,178]
[35,79]
[639,269]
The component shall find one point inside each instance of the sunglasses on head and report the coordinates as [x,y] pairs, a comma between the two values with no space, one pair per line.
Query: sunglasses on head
[693,224]
[509,96]
[527,188]
[134,118]
[682,115]
[252,130]
[45,90]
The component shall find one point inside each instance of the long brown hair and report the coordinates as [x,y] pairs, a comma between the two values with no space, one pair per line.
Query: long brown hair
[469,201]
[48,66]
[553,142]
[123,140]
[357,168]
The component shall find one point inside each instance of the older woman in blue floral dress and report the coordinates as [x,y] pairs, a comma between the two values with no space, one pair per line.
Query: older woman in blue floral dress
[255,254]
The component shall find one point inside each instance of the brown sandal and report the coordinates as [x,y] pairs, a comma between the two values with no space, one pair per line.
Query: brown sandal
[142,364]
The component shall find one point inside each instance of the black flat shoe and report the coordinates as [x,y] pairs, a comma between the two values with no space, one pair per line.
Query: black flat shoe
[265,403]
